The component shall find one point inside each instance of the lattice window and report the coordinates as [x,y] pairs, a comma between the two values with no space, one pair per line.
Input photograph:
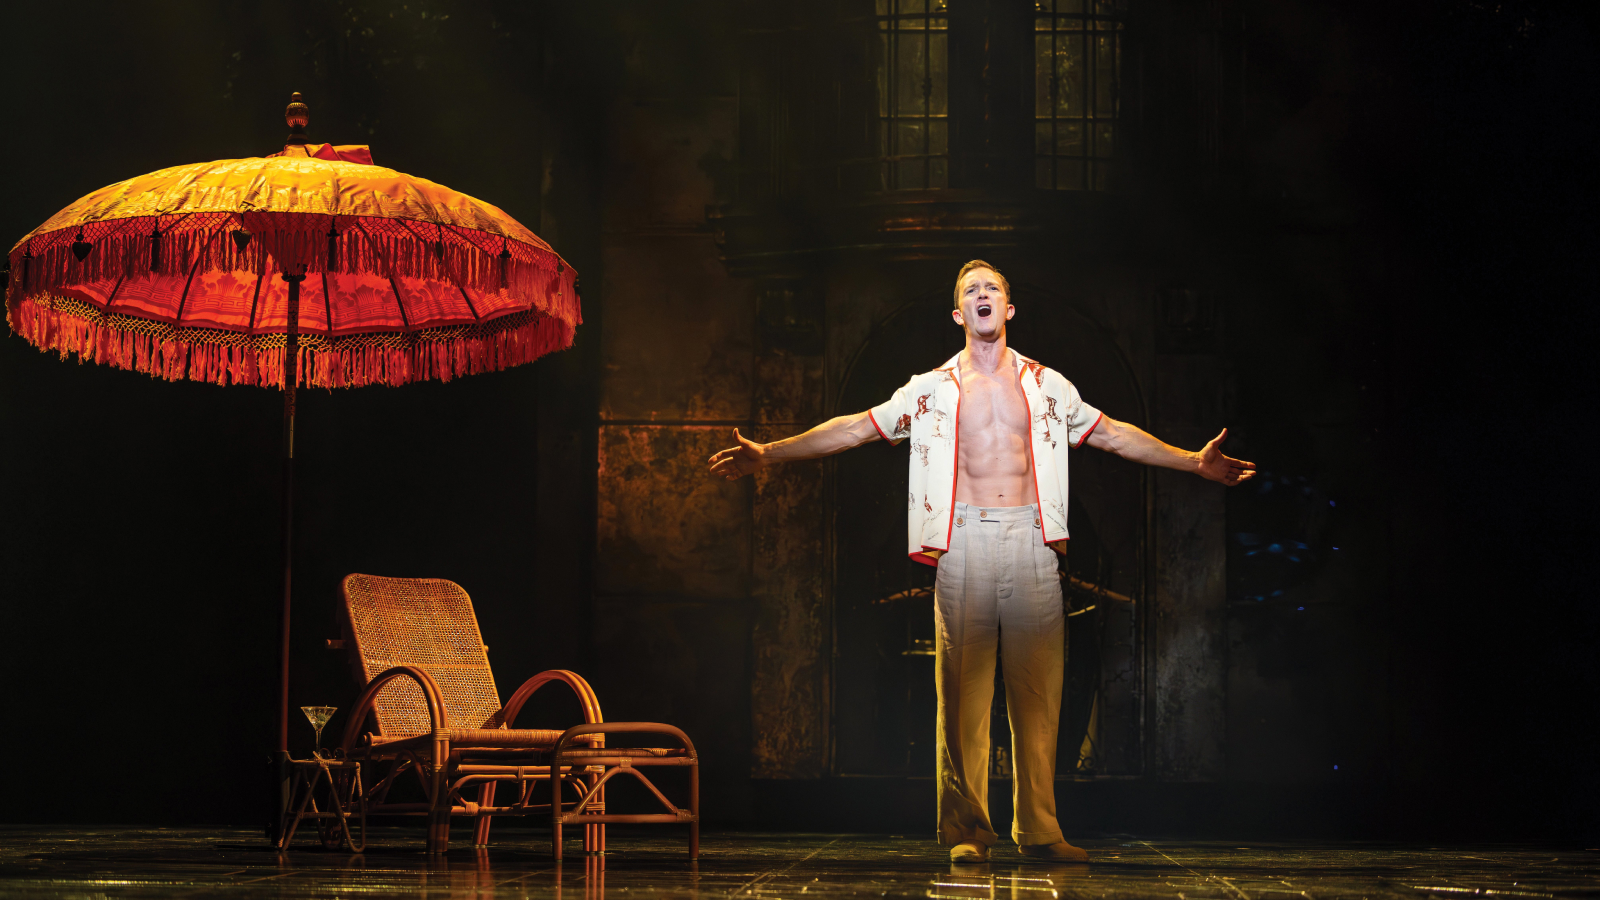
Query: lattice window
[1077,84]
[913,94]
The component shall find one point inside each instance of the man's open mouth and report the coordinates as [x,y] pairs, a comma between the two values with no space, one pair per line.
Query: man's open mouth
[983,309]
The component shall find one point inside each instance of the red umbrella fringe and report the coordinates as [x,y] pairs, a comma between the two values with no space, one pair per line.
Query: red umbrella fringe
[70,326]
[388,248]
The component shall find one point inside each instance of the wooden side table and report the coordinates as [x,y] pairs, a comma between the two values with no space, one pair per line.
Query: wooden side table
[344,796]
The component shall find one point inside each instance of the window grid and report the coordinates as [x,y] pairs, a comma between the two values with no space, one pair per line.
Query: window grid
[913,94]
[1077,92]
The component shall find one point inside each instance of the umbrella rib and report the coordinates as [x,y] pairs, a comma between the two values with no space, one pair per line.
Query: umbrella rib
[406,224]
[177,321]
[462,288]
[115,228]
[440,228]
[333,230]
[113,295]
[173,225]
[389,273]
[470,308]
[327,303]
[261,271]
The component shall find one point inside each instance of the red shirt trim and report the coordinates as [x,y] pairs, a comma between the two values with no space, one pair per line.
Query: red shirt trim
[1038,504]
[955,470]
[1087,433]
[875,425]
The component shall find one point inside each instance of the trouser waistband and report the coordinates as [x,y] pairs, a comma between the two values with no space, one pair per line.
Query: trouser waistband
[979,514]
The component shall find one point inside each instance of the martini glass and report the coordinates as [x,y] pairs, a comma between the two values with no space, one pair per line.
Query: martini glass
[319,716]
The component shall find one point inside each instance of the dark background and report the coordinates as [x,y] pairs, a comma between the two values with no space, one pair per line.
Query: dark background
[139,521]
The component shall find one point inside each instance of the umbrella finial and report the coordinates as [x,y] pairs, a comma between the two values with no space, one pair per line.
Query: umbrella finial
[298,115]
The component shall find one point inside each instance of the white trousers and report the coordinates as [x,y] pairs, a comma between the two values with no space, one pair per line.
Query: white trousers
[997,588]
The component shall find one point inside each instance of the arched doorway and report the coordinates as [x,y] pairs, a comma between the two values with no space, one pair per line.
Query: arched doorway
[883,668]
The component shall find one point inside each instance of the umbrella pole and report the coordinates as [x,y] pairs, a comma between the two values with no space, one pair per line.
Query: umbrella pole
[291,348]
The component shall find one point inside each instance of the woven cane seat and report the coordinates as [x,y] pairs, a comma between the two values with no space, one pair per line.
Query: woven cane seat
[427,623]
[489,737]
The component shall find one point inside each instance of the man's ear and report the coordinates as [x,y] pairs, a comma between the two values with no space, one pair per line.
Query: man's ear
[956,314]
[1010,311]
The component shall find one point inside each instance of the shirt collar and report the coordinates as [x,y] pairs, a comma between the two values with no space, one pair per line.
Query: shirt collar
[1018,363]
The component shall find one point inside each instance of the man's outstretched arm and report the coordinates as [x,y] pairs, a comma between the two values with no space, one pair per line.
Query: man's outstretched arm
[1133,443]
[833,436]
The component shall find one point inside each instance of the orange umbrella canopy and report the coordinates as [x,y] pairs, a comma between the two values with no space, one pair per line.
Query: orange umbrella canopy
[176,274]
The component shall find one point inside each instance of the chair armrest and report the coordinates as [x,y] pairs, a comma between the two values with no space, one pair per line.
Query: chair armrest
[578,731]
[586,696]
[430,692]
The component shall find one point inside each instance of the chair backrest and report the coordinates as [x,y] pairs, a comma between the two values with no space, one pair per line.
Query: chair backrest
[427,623]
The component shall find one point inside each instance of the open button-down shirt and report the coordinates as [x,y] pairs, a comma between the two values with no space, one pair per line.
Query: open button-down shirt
[928,411]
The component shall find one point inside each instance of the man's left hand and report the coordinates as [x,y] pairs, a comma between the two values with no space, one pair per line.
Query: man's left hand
[1214,465]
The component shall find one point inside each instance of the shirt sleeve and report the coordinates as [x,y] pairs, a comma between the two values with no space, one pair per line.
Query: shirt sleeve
[893,417]
[1079,417]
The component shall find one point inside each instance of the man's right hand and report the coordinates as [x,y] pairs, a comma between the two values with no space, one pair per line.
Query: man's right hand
[737,462]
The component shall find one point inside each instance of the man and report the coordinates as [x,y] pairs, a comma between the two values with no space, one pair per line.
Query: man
[987,505]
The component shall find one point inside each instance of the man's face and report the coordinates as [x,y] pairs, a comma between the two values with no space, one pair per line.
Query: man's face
[984,306]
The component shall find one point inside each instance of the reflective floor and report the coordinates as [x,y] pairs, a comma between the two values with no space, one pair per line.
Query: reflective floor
[128,862]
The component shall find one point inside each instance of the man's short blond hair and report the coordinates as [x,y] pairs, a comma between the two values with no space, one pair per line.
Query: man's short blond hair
[980,264]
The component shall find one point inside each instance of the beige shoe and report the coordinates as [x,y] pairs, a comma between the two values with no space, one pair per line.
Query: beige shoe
[969,852]
[1060,850]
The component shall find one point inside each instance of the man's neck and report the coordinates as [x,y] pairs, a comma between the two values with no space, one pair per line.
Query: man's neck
[985,356]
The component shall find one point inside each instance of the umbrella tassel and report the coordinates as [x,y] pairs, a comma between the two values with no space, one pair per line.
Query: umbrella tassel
[177,248]
[107,347]
[353,254]
[27,320]
[32,322]
[59,333]
[100,345]
[193,246]
[173,246]
[95,337]
[48,262]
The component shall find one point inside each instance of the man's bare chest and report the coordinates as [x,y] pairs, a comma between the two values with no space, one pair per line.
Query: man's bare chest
[992,406]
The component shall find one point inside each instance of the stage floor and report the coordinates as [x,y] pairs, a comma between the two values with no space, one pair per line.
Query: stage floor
[134,862]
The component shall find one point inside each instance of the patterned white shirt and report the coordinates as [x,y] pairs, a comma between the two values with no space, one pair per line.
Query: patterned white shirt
[928,411]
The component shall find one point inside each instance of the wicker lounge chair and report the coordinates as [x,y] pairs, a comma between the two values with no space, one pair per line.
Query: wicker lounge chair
[436,713]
